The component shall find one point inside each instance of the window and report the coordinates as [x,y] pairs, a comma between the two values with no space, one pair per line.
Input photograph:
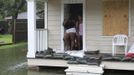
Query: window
[116,17]
[40,24]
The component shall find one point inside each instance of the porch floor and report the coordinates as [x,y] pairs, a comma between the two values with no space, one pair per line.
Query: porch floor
[118,62]
[63,63]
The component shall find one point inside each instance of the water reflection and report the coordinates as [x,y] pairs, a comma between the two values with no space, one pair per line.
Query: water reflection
[13,60]
[47,71]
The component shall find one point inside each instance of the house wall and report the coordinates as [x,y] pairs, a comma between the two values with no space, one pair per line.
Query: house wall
[131,38]
[94,25]
[54,24]
[94,21]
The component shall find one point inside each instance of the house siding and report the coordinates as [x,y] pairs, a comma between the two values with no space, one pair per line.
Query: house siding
[54,24]
[131,38]
[94,21]
[94,26]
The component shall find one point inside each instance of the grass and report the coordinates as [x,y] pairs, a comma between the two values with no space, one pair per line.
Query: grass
[7,38]
[13,46]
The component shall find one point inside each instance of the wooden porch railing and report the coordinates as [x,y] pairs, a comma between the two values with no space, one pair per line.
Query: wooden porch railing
[41,39]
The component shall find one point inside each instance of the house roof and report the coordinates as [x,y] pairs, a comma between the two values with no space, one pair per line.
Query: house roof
[22,15]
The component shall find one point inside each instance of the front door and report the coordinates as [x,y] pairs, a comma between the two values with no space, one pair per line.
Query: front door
[73,25]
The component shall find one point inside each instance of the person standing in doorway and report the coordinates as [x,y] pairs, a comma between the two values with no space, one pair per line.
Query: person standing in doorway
[79,29]
[70,33]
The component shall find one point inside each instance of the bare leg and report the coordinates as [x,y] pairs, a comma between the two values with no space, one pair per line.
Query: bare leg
[72,39]
[66,41]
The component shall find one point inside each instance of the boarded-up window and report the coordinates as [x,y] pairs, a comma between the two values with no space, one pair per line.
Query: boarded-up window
[116,16]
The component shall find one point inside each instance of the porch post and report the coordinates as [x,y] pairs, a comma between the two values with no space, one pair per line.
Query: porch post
[31,13]
[46,22]
[46,13]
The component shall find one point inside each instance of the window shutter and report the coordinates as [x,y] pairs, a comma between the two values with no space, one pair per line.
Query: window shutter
[116,17]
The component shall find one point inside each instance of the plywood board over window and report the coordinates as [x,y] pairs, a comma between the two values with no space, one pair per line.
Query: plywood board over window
[116,17]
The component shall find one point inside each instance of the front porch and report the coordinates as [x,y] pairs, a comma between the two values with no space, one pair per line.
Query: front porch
[63,63]
[105,60]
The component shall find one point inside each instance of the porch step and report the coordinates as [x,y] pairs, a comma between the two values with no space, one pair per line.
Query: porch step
[84,70]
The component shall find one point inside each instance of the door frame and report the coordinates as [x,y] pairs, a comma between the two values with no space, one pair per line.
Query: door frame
[84,21]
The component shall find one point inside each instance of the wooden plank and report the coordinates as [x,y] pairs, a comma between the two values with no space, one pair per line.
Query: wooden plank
[47,62]
[63,63]
[116,14]
[118,65]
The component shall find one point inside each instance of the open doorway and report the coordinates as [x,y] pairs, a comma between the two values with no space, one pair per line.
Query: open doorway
[73,27]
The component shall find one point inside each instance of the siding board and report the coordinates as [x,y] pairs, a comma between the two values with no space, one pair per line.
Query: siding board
[54,19]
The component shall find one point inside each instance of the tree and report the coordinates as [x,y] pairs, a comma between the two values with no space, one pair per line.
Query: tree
[1,9]
[12,8]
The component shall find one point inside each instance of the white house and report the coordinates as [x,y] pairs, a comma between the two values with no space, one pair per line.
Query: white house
[102,19]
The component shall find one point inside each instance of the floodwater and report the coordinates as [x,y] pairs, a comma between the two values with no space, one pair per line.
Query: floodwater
[13,62]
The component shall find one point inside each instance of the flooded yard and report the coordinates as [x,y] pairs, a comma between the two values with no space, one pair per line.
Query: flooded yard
[13,62]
